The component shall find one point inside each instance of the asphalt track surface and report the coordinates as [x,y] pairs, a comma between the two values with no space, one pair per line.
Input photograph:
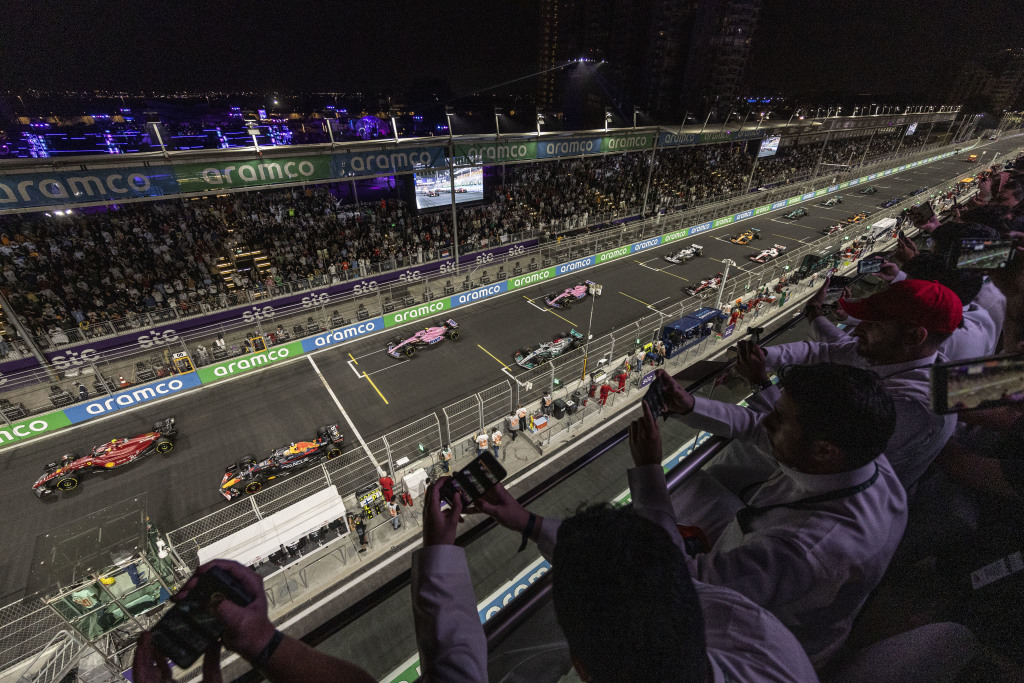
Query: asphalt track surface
[286,402]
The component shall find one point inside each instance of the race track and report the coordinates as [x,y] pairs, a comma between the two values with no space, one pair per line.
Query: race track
[285,402]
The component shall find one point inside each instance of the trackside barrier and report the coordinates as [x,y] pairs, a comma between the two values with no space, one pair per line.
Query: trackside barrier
[430,310]
[413,442]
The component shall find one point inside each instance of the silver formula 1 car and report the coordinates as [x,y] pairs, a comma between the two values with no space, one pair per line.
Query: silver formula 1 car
[531,358]
[685,254]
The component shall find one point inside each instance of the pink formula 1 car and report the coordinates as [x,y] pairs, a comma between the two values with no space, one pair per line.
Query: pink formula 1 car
[569,295]
[407,346]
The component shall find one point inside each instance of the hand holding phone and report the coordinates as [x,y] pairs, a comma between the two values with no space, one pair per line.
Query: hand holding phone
[223,600]
[440,525]
[979,383]
[654,399]
[473,480]
[983,255]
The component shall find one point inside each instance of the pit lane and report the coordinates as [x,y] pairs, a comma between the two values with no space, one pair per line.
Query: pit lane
[257,411]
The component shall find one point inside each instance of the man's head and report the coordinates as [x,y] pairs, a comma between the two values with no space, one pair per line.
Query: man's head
[625,601]
[966,284]
[831,418]
[906,321]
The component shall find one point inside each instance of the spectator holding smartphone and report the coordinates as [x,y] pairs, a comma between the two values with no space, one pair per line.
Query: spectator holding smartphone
[249,632]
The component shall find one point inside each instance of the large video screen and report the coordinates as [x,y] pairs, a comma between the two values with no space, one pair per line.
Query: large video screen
[911,128]
[433,189]
[770,146]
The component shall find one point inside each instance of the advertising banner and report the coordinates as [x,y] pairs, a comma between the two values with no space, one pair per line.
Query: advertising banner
[697,229]
[342,334]
[32,426]
[569,147]
[762,209]
[495,152]
[673,236]
[408,315]
[743,215]
[243,364]
[226,174]
[646,244]
[479,294]
[669,139]
[533,278]
[627,143]
[613,254]
[133,396]
[103,184]
[387,161]
[578,264]
[724,221]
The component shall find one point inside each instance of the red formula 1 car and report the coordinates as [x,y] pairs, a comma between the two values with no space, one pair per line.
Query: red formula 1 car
[569,295]
[67,473]
[704,288]
[425,337]
[249,475]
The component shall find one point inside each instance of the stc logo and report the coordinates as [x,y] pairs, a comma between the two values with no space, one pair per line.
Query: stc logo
[75,358]
[258,313]
[148,341]
[365,288]
[314,300]
[410,276]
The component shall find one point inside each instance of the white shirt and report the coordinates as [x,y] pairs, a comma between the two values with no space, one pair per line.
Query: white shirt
[812,567]
[920,434]
[976,337]
[481,441]
[994,302]
[449,635]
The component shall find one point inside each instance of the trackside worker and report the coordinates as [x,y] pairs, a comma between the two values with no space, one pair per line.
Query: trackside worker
[481,442]
[513,425]
[496,442]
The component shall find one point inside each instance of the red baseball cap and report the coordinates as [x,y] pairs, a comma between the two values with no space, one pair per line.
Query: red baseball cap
[922,302]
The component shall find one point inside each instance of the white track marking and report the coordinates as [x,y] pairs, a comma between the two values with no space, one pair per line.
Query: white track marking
[351,365]
[344,414]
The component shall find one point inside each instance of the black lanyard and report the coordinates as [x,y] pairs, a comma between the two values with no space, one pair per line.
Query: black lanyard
[750,512]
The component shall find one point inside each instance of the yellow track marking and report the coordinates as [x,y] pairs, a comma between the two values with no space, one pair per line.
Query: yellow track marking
[375,388]
[353,358]
[492,356]
[634,298]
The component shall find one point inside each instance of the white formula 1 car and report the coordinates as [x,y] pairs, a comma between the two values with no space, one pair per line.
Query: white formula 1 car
[768,254]
[685,254]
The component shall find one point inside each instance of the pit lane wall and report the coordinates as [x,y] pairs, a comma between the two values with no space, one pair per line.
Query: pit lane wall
[429,311]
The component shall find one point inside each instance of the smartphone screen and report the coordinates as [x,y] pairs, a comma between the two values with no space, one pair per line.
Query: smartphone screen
[869,265]
[922,213]
[979,383]
[475,479]
[983,254]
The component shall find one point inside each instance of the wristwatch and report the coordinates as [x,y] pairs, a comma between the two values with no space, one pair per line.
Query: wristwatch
[760,386]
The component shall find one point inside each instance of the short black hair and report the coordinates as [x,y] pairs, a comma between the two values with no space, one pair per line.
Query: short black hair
[624,599]
[966,284]
[842,405]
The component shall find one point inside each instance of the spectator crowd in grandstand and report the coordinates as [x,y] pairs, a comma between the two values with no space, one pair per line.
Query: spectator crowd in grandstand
[68,271]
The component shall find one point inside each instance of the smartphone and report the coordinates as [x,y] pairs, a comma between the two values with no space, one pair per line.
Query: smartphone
[836,285]
[188,628]
[978,383]
[474,480]
[982,254]
[655,399]
[869,265]
[921,213]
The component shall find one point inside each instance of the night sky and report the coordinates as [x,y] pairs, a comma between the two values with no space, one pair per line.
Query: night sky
[801,45]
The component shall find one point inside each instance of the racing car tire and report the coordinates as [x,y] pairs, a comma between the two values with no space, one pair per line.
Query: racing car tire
[409,350]
[253,486]
[163,445]
[452,334]
[68,483]
[333,453]
[246,462]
